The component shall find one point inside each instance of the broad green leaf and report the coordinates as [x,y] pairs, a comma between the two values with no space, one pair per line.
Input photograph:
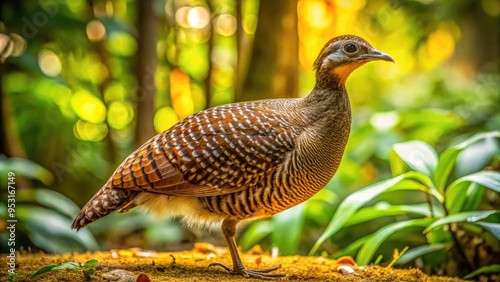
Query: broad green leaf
[68,265]
[476,157]
[51,199]
[474,197]
[359,198]
[371,245]
[449,157]
[356,200]
[457,197]
[421,182]
[255,233]
[489,179]
[91,263]
[381,210]
[288,224]
[43,269]
[420,251]
[44,223]
[461,217]
[493,228]
[484,269]
[27,168]
[398,165]
[418,155]
[351,249]
[464,190]
[351,204]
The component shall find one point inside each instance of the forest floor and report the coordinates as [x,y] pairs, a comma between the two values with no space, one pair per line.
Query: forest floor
[127,265]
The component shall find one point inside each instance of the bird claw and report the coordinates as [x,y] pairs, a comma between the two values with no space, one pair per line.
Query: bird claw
[252,273]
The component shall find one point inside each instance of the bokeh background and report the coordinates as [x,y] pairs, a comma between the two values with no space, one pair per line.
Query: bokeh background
[84,83]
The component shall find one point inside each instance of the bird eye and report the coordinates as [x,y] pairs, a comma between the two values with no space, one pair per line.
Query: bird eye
[350,48]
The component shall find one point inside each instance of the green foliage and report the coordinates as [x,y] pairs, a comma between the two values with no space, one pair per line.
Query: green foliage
[26,168]
[448,201]
[71,101]
[494,268]
[43,213]
[88,268]
[396,256]
[12,277]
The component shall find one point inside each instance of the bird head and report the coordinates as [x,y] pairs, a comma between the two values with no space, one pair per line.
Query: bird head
[342,55]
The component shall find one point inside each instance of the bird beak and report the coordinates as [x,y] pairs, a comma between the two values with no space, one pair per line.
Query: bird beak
[377,55]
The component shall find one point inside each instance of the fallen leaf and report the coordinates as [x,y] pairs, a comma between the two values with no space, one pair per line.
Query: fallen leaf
[258,260]
[208,248]
[143,278]
[347,260]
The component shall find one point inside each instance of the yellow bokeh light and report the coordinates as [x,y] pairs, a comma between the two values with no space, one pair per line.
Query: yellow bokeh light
[120,114]
[88,107]
[122,44]
[353,5]
[114,91]
[181,16]
[250,24]
[198,96]
[95,30]
[225,24]
[49,63]
[384,121]
[491,7]
[89,131]
[164,119]
[315,13]
[180,92]
[440,45]
[198,17]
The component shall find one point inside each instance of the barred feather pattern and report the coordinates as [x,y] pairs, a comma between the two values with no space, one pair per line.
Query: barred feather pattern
[217,151]
[239,161]
[308,168]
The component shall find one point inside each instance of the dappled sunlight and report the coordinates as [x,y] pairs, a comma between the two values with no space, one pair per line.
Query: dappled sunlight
[440,46]
[120,114]
[95,30]
[165,118]
[49,63]
[225,24]
[80,84]
[88,107]
[89,131]
[180,92]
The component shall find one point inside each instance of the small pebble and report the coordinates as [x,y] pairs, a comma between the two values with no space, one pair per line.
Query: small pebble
[119,275]
[347,270]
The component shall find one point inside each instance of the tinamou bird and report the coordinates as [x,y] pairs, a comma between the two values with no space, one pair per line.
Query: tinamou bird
[242,161]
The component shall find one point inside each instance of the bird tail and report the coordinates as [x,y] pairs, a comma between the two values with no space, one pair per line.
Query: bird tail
[106,201]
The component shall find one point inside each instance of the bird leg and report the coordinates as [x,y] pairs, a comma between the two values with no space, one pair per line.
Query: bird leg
[229,230]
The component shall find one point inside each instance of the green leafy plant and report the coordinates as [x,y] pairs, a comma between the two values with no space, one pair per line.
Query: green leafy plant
[88,268]
[12,277]
[43,213]
[447,203]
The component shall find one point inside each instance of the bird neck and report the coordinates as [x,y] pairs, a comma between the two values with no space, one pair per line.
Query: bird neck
[329,116]
[329,103]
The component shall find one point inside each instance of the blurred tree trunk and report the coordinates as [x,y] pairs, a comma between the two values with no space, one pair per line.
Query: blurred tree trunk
[273,70]
[477,29]
[10,144]
[145,71]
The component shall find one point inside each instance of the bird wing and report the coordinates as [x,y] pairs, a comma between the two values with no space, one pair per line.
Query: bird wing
[217,151]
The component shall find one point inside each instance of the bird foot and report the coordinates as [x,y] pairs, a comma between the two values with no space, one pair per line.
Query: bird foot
[252,273]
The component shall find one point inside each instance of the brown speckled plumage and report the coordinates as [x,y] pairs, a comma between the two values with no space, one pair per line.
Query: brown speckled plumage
[242,161]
